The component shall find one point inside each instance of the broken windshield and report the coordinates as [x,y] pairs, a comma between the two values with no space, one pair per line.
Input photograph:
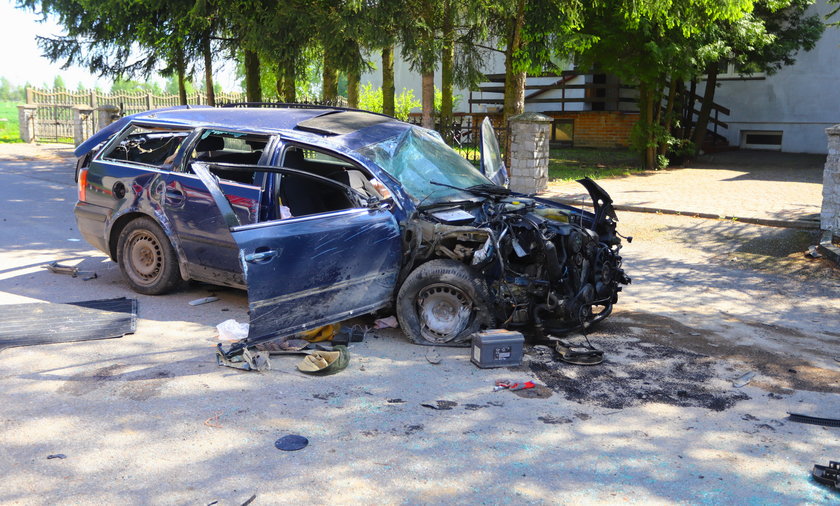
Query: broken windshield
[417,157]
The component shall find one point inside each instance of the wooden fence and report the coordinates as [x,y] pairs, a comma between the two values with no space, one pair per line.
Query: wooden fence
[54,113]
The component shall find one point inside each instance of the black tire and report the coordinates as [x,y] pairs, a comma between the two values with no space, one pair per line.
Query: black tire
[456,300]
[147,259]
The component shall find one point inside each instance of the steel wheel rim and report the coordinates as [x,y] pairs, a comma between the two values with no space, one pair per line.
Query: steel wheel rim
[444,312]
[145,257]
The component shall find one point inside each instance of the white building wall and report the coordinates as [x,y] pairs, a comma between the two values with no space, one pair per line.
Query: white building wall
[800,100]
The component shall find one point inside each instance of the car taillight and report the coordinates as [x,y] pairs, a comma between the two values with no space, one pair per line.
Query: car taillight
[83,184]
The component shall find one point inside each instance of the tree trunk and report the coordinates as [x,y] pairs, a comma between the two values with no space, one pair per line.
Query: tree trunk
[180,68]
[706,107]
[447,64]
[646,121]
[353,80]
[689,110]
[253,89]
[669,113]
[289,78]
[329,80]
[514,78]
[388,80]
[428,98]
[208,69]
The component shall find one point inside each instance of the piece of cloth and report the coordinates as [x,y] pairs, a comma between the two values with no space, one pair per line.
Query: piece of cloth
[324,363]
[324,333]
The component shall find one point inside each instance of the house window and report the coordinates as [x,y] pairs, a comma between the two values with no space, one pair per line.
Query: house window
[732,70]
[761,139]
[562,132]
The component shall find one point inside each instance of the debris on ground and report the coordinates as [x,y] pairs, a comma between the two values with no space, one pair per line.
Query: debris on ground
[211,422]
[743,380]
[432,356]
[814,420]
[389,322]
[31,324]
[203,300]
[813,253]
[827,475]
[636,373]
[232,330]
[440,405]
[291,443]
[324,363]
[56,456]
[497,348]
[58,268]
[513,386]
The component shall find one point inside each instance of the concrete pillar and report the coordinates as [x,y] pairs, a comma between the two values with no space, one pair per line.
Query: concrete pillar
[830,215]
[106,114]
[82,123]
[28,120]
[528,164]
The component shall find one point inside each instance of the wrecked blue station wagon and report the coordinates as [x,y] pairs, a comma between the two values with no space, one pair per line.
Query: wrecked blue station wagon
[323,214]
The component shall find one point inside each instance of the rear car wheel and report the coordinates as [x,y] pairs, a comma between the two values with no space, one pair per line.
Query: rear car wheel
[442,303]
[147,259]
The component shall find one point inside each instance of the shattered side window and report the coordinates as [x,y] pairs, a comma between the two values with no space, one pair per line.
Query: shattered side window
[417,158]
[148,146]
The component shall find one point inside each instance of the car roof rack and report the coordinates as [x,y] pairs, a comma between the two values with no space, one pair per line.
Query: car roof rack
[300,105]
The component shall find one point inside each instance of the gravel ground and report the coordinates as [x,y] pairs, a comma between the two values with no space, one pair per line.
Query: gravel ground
[150,418]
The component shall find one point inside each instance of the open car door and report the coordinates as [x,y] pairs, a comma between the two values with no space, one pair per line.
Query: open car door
[492,165]
[308,271]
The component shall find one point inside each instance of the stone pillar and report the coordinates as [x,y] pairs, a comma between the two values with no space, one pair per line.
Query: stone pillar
[27,119]
[528,164]
[830,215]
[106,114]
[82,126]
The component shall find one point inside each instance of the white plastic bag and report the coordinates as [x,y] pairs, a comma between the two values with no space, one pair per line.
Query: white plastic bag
[232,330]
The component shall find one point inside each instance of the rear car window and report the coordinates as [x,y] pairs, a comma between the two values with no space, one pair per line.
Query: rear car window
[151,146]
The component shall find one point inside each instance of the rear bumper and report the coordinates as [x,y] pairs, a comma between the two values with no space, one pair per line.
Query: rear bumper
[91,220]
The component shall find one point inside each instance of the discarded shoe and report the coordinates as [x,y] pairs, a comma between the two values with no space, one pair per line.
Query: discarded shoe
[325,362]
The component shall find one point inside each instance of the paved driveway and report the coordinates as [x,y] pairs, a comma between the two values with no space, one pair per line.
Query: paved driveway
[756,185]
[150,418]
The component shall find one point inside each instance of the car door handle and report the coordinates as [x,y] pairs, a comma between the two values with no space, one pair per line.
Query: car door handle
[261,256]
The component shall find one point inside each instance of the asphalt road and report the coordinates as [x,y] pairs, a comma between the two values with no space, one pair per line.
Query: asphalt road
[150,418]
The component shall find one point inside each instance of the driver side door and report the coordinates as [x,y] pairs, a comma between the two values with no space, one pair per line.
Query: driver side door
[307,271]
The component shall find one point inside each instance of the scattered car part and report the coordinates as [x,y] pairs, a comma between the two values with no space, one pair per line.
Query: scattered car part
[827,475]
[814,420]
[203,300]
[73,271]
[432,356]
[497,348]
[291,443]
[509,385]
[578,355]
[37,323]
[743,380]
[439,405]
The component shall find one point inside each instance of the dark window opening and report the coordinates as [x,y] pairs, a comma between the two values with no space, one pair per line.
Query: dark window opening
[156,147]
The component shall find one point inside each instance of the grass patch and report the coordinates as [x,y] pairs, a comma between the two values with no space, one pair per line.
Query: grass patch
[568,164]
[9,126]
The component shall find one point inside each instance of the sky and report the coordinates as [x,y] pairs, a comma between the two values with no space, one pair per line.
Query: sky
[21,60]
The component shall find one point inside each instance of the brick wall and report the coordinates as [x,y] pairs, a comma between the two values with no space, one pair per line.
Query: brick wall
[600,129]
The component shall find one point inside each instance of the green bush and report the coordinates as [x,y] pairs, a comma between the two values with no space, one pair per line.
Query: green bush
[371,100]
